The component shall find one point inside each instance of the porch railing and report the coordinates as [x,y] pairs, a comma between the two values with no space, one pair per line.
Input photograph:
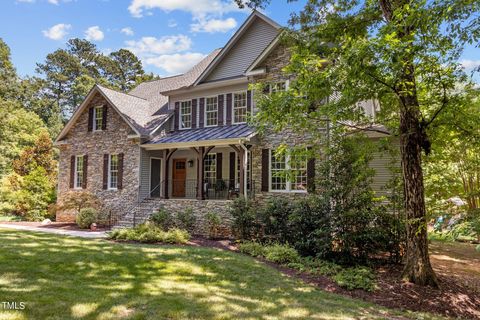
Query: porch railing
[220,189]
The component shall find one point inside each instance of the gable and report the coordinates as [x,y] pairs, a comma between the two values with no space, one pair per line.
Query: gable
[243,53]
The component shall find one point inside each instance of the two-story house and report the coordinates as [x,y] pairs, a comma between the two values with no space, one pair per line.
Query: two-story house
[183,141]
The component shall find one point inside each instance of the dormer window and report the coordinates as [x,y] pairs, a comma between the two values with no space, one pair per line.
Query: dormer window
[97,118]
[186,114]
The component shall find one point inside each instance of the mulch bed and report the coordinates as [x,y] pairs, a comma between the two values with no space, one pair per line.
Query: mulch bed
[453,299]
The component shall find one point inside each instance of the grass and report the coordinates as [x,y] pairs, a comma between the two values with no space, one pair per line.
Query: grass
[60,277]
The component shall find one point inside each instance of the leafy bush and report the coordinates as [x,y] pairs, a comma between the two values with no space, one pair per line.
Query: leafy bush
[356,278]
[86,217]
[281,253]
[275,219]
[213,224]
[244,219]
[322,267]
[252,248]
[150,233]
[477,248]
[186,219]
[163,219]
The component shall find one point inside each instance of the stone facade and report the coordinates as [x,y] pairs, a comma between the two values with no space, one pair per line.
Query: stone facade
[113,140]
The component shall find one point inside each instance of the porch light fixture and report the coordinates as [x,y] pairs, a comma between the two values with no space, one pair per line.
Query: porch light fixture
[190,163]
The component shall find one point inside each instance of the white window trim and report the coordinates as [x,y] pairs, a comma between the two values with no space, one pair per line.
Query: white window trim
[288,183]
[205,112]
[233,106]
[75,177]
[109,181]
[94,124]
[180,127]
[287,85]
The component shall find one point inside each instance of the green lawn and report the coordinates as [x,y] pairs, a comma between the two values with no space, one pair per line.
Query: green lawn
[10,218]
[70,278]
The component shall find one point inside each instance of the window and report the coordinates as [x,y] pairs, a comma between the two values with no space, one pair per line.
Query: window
[211,111]
[78,182]
[210,167]
[240,107]
[185,114]
[279,165]
[249,167]
[97,118]
[278,86]
[113,171]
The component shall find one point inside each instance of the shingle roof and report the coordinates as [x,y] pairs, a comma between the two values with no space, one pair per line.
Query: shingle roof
[144,107]
[204,134]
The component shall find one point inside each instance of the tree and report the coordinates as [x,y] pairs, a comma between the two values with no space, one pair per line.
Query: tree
[8,75]
[402,53]
[122,69]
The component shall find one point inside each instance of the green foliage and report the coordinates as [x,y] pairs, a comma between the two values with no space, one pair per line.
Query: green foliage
[213,224]
[163,219]
[86,217]
[185,219]
[477,248]
[280,253]
[275,220]
[252,248]
[150,233]
[30,189]
[356,278]
[244,218]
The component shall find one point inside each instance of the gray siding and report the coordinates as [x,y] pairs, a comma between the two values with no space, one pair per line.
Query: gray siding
[252,43]
[145,156]
[382,163]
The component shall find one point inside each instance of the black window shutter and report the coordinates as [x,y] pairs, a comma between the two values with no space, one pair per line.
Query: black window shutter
[194,113]
[105,171]
[265,169]
[72,171]
[201,112]
[220,110]
[232,169]
[85,171]
[219,165]
[311,175]
[176,118]
[249,101]
[104,117]
[229,109]
[90,119]
[120,171]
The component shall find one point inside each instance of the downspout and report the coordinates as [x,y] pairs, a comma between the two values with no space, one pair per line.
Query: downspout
[245,166]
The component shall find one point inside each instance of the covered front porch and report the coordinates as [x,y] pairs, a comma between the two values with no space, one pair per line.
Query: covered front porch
[213,169]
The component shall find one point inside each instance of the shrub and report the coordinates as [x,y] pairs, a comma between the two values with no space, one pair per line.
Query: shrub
[86,217]
[163,219]
[275,219]
[150,233]
[477,248]
[213,224]
[186,219]
[356,278]
[244,226]
[323,267]
[281,253]
[252,248]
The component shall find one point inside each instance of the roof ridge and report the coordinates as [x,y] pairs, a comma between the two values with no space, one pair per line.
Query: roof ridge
[125,93]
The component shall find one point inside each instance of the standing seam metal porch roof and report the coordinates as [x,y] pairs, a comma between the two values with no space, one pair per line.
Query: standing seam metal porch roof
[205,134]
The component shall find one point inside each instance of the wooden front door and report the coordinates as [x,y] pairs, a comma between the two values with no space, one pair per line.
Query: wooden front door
[179,177]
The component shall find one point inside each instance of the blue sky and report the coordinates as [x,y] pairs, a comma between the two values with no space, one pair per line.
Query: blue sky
[169,35]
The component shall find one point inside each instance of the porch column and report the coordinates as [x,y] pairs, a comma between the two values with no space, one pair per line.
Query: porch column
[241,156]
[167,155]
[200,173]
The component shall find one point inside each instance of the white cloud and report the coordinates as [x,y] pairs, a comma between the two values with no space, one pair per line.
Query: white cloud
[148,46]
[175,63]
[172,23]
[128,31]
[197,8]
[26,1]
[57,32]
[53,2]
[213,25]
[469,65]
[94,34]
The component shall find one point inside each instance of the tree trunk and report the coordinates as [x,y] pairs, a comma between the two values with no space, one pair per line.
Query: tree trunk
[417,262]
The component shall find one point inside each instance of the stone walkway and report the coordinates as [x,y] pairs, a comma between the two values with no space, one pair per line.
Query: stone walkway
[75,233]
